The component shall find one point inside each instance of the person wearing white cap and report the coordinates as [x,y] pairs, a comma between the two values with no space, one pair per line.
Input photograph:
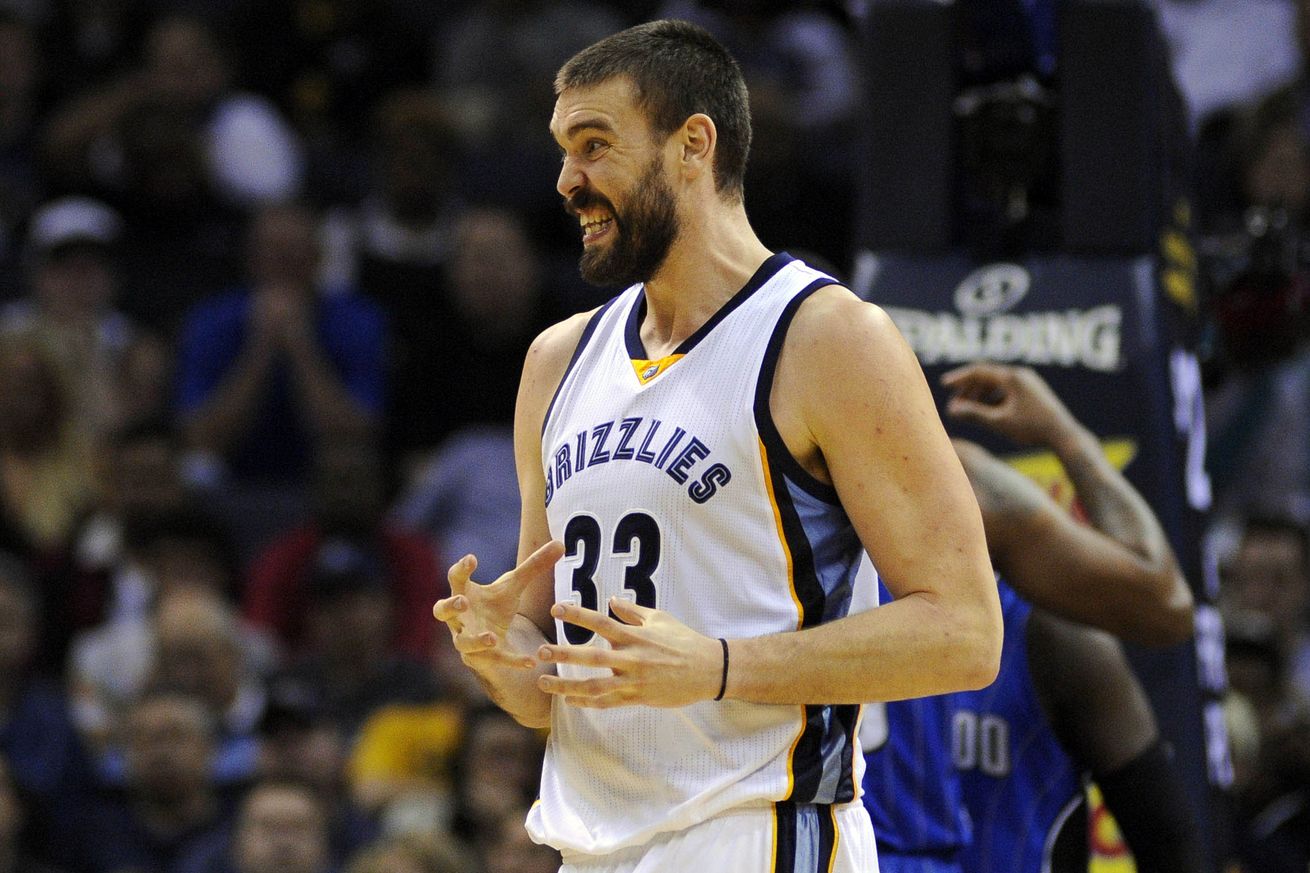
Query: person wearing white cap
[73,282]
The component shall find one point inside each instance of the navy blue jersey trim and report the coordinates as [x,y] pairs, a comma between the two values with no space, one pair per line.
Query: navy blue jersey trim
[780,457]
[632,331]
[784,829]
[827,838]
[847,715]
[577,353]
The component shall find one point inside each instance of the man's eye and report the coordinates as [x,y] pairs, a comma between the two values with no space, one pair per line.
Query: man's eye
[594,146]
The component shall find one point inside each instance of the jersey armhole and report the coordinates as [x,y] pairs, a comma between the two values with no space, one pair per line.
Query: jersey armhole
[587,333]
[780,457]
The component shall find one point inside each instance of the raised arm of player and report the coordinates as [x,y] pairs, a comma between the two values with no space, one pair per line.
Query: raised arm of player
[852,405]
[498,628]
[1119,574]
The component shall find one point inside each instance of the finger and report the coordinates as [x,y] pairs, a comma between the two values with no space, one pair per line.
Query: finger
[461,573]
[629,612]
[469,643]
[583,656]
[595,686]
[486,647]
[533,567]
[964,409]
[979,381]
[500,657]
[604,701]
[448,609]
[592,621]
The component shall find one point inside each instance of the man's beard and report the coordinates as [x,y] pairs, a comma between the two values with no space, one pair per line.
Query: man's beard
[644,234]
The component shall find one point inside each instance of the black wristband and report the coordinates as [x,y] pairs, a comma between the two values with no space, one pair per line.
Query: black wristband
[723,683]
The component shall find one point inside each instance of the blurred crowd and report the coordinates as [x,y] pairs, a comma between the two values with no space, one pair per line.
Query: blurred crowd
[268,271]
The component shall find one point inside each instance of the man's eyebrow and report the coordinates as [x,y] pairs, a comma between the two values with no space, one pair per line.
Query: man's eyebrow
[598,124]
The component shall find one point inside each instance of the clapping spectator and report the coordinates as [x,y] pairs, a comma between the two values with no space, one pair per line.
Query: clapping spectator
[273,366]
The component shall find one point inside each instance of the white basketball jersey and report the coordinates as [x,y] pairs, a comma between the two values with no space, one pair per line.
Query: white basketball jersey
[668,484]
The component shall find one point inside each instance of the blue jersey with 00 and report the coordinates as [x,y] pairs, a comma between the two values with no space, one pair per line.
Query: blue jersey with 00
[1020,785]
[910,786]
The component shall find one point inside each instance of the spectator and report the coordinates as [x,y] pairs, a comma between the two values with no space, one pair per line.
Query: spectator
[410,853]
[327,70]
[110,665]
[400,766]
[496,774]
[45,457]
[510,850]
[1269,575]
[183,156]
[198,650]
[44,758]
[349,659]
[469,368]
[281,827]
[269,368]
[169,809]
[396,246]
[301,743]
[405,220]
[1225,52]
[493,65]
[347,524]
[800,67]
[466,498]
[112,368]
[140,481]
[15,854]
[249,153]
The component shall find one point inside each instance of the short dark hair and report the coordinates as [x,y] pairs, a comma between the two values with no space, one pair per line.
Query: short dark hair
[678,70]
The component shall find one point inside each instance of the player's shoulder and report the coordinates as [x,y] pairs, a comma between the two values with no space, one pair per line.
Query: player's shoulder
[548,359]
[834,317]
[847,344]
[555,345]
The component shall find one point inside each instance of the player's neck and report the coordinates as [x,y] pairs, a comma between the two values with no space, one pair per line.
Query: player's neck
[713,257]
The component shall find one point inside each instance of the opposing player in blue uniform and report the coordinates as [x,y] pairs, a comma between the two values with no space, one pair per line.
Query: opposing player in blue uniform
[1118,574]
[1066,705]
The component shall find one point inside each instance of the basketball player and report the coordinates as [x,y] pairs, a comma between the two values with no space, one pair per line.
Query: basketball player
[710,453]
[1066,704]
[1119,574]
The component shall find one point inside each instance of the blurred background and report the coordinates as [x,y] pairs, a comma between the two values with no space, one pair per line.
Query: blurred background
[268,271]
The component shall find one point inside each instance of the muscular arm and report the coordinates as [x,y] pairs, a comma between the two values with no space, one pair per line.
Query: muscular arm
[1119,575]
[864,420]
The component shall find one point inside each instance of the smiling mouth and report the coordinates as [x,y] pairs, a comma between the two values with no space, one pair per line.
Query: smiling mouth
[594,229]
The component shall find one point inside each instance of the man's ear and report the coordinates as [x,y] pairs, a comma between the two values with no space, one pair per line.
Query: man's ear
[697,140]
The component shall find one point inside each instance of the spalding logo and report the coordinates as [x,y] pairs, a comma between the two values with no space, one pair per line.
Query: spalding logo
[992,289]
